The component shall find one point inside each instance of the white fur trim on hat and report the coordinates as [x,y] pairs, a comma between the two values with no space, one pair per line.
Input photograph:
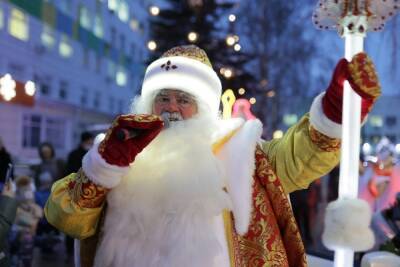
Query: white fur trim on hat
[347,225]
[186,74]
[99,171]
[321,122]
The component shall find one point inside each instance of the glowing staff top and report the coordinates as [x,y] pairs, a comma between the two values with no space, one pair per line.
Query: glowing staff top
[352,19]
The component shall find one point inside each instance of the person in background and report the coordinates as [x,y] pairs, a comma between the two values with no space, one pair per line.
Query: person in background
[26,222]
[74,162]
[5,159]
[8,209]
[48,163]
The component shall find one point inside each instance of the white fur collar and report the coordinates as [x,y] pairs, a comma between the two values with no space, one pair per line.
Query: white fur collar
[238,159]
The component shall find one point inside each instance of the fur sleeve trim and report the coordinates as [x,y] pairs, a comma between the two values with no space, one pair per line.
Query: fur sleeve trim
[99,171]
[347,225]
[238,158]
[321,122]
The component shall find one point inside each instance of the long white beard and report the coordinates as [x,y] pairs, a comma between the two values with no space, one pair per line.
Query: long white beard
[162,213]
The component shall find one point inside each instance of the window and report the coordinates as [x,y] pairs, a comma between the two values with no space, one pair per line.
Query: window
[98,26]
[55,132]
[47,36]
[96,100]
[98,63]
[391,121]
[111,104]
[84,17]
[123,11]
[63,92]
[18,24]
[1,19]
[39,128]
[84,98]
[86,57]
[113,34]
[111,69]
[65,48]
[122,42]
[376,121]
[31,130]
[121,77]
[45,89]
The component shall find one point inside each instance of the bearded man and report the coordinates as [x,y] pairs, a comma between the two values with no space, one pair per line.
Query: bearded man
[202,191]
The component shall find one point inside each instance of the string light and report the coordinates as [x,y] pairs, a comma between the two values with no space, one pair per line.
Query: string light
[277,134]
[230,40]
[232,18]
[237,47]
[241,91]
[252,100]
[154,10]
[192,36]
[228,73]
[151,45]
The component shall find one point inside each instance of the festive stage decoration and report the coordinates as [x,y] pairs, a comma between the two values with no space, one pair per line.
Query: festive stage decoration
[352,19]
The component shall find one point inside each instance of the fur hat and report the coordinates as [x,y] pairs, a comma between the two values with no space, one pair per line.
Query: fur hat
[185,68]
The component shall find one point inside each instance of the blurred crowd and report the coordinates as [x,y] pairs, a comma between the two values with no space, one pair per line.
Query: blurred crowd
[23,226]
[379,186]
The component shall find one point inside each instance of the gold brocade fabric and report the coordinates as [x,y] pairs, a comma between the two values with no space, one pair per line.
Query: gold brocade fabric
[84,192]
[189,51]
[273,238]
[324,142]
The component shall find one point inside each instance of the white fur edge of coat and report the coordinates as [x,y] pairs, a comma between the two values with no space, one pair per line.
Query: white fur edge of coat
[238,160]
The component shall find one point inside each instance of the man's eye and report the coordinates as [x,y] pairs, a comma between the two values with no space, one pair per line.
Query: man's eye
[164,99]
[184,101]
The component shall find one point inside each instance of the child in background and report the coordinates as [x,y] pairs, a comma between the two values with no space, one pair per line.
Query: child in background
[26,221]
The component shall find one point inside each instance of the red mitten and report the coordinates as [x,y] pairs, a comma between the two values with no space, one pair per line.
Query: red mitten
[123,152]
[361,74]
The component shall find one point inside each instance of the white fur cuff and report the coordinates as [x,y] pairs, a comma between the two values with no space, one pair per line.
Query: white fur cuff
[321,122]
[347,225]
[99,171]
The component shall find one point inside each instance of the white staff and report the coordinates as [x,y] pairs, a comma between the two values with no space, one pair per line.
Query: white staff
[352,19]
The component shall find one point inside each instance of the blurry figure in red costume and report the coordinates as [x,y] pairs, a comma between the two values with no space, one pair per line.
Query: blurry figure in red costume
[380,181]
[202,191]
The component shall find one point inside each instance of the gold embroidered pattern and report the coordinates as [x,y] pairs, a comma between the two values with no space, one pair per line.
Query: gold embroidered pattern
[324,142]
[189,51]
[272,238]
[84,192]
[363,73]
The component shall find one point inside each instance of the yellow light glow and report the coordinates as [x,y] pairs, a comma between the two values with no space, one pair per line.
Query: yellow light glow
[65,49]
[236,37]
[252,100]
[134,24]
[230,40]
[121,78]
[228,99]
[237,47]
[271,93]
[228,73]
[232,18]
[154,10]
[30,88]
[151,45]
[277,134]
[222,71]
[241,91]
[18,25]
[192,37]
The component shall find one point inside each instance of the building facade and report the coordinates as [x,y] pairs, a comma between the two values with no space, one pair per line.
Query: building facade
[86,60]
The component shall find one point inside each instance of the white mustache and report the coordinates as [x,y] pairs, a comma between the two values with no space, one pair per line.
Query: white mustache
[174,116]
